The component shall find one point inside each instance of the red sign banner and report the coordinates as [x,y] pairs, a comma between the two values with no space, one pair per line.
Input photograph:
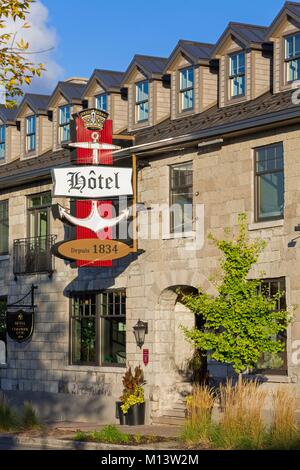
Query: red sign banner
[83,208]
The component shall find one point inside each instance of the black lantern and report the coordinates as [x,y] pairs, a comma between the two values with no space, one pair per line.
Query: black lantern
[140,330]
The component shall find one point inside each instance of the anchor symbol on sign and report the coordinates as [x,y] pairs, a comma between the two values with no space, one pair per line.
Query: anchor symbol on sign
[95,146]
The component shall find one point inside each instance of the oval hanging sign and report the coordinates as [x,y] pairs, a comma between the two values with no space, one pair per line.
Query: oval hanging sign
[91,250]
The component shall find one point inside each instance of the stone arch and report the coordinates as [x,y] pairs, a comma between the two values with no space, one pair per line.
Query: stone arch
[173,352]
[179,278]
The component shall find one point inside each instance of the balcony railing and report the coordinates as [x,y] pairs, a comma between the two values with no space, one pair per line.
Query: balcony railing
[33,255]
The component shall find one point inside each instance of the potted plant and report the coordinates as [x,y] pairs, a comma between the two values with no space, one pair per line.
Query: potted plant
[132,405]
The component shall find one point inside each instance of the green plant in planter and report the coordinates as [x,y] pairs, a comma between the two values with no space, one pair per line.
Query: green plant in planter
[133,392]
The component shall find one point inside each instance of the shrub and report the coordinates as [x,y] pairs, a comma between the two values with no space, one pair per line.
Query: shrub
[109,434]
[198,428]
[242,423]
[8,417]
[29,417]
[284,432]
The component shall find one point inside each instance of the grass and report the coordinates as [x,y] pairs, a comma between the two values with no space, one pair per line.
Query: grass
[12,421]
[112,435]
[241,426]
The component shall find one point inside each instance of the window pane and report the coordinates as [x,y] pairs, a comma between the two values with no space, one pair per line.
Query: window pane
[65,134]
[113,327]
[84,340]
[181,187]
[64,114]
[293,72]
[143,111]
[274,363]
[4,227]
[241,63]
[84,331]
[188,99]
[31,125]
[3,338]
[234,65]
[289,47]
[101,102]
[271,191]
[114,340]
[238,86]
[142,91]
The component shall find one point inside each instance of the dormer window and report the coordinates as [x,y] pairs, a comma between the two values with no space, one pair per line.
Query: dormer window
[64,123]
[186,88]
[2,142]
[142,101]
[292,57]
[237,75]
[30,134]
[101,102]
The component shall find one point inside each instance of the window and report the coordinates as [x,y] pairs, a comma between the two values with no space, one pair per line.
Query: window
[292,57]
[270,363]
[181,198]
[64,123]
[142,101]
[237,77]
[186,90]
[30,134]
[3,340]
[2,142]
[101,102]
[4,227]
[269,183]
[39,207]
[98,329]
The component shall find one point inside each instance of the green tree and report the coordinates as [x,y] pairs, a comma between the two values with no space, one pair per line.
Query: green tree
[241,321]
[16,68]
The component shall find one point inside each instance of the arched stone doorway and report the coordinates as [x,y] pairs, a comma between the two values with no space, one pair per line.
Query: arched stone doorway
[174,353]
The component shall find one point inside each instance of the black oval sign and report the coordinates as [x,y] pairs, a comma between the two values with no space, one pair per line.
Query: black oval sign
[20,325]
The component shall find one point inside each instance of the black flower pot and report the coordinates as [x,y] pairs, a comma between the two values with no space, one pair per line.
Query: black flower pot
[136,415]
[120,415]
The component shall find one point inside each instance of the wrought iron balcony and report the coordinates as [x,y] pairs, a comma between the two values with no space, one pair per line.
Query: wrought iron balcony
[33,255]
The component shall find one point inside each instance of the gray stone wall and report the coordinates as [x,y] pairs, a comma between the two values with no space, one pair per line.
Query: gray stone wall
[224,184]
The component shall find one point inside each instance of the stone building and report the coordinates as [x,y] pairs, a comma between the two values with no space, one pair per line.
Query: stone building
[216,129]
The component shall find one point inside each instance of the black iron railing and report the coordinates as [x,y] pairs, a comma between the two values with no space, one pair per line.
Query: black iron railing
[33,255]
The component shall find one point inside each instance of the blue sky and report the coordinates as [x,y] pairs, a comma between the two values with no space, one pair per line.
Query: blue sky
[106,34]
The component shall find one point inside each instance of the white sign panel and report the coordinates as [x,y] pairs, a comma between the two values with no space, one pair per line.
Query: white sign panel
[92,182]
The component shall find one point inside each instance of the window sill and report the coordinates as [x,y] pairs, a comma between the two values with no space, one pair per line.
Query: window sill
[100,369]
[266,225]
[176,236]
[283,379]
[4,257]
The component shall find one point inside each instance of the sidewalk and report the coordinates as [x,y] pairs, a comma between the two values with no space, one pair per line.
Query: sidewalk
[60,436]
[149,430]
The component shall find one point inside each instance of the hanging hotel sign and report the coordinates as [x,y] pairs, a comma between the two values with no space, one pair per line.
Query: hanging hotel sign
[92,182]
[20,325]
[93,186]
[20,318]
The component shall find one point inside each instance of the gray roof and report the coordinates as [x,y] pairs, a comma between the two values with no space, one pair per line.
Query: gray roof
[197,52]
[294,7]
[247,34]
[110,80]
[38,103]
[71,91]
[289,8]
[218,121]
[151,66]
[8,115]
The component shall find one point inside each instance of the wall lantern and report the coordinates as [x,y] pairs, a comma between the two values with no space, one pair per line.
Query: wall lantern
[140,330]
